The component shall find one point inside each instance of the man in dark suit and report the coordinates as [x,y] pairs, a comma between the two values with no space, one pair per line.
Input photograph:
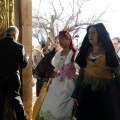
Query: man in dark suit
[13,56]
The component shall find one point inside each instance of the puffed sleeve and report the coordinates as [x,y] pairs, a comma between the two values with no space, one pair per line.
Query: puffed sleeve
[55,61]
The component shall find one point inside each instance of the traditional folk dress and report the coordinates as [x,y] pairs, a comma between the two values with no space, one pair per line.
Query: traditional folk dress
[97,89]
[58,104]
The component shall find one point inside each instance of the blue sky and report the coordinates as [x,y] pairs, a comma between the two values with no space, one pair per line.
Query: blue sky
[111,19]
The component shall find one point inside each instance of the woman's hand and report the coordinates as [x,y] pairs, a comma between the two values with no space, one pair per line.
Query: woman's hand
[54,74]
[75,101]
[45,84]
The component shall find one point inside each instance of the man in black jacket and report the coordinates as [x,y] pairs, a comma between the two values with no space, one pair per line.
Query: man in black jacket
[13,56]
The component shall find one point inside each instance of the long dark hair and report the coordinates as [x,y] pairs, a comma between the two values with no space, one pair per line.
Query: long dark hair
[111,56]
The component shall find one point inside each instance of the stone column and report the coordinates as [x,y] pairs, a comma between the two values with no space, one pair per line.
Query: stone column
[23,19]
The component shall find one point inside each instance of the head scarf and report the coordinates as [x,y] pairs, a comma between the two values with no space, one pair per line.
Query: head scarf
[66,33]
[111,56]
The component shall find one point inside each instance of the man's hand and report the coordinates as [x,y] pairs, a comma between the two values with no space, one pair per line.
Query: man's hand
[27,56]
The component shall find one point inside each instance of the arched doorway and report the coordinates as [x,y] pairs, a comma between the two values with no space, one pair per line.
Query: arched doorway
[19,13]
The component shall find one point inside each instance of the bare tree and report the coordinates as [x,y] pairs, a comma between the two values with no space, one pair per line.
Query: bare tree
[56,20]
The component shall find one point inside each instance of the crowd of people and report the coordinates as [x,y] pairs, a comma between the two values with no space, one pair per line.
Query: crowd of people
[71,84]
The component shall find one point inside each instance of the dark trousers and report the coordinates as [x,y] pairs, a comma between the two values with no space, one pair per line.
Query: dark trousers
[12,90]
[2,102]
[39,85]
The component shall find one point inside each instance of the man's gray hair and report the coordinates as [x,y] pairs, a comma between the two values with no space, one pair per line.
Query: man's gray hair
[12,30]
[116,38]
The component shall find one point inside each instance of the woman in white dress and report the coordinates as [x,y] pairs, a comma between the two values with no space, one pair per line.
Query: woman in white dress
[58,104]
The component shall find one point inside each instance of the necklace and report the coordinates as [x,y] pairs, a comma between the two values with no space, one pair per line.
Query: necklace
[92,57]
[64,53]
